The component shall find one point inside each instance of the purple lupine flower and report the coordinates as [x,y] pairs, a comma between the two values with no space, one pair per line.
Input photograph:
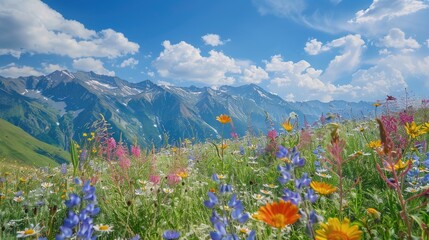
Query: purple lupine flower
[64,168]
[212,200]
[282,152]
[311,195]
[304,181]
[225,188]
[74,200]
[293,197]
[171,234]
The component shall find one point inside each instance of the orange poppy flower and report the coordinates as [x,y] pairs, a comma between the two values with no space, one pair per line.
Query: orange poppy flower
[223,118]
[278,214]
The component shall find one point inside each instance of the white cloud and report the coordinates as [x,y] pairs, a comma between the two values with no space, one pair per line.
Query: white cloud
[388,9]
[348,60]
[183,61]
[91,64]
[314,47]
[165,83]
[213,40]
[130,62]
[384,51]
[396,39]
[427,43]
[13,71]
[254,74]
[295,78]
[32,26]
[379,81]
[49,68]
[151,74]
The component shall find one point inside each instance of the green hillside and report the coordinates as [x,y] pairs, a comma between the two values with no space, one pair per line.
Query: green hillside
[18,147]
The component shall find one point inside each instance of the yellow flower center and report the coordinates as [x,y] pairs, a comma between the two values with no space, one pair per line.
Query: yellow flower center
[28,232]
[278,220]
[104,228]
[337,235]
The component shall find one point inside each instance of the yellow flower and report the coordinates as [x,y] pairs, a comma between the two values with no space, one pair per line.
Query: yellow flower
[374,144]
[183,174]
[323,188]
[336,230]
[398,165]
[223,118]
[425,127]
[278,214]
[376,104]
[287,125]
[373,212]
[84,134]
[413,130]
[223,146]
[23,180]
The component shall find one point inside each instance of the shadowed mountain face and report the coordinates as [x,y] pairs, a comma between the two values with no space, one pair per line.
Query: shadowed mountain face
[61,105]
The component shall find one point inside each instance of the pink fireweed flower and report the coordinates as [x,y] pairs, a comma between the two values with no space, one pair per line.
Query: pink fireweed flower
[173,179]
[135,151]
[405,118]
[272,135]
[120,151]
[111,143]
[155,179]
[124,163]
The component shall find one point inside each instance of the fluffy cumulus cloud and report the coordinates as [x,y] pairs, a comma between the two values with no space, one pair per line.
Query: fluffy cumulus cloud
[91,64]
[313,47]
[183,61]
[300,81]
[254,74]
[396,39]
[14,71]
[392,74]
[130,62]
[349,58]
[213,40]
[32,26]
[49,68]
[381,10]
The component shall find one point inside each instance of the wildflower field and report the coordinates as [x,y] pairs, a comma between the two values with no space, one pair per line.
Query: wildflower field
[334,179]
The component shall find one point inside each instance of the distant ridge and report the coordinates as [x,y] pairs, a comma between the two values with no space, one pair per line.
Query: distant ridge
[61,105]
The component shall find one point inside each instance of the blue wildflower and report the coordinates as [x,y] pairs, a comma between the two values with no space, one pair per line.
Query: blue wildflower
[171,234]
[212,200]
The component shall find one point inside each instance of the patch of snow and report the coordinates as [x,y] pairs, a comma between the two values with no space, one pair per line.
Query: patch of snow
[67,74]
[130,91]
[262,94]
[97,83]
[155,125]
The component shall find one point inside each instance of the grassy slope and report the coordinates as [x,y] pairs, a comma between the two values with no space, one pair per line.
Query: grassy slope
[18,147]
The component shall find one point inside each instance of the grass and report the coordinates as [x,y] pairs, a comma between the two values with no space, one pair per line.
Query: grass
[150,192]
[18,147]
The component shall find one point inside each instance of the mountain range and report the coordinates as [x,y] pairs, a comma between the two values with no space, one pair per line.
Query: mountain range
[63,105]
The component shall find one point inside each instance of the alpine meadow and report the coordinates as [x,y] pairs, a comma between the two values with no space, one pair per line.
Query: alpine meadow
[222,120]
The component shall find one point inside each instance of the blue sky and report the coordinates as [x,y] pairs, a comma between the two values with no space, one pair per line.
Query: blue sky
[300,50]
